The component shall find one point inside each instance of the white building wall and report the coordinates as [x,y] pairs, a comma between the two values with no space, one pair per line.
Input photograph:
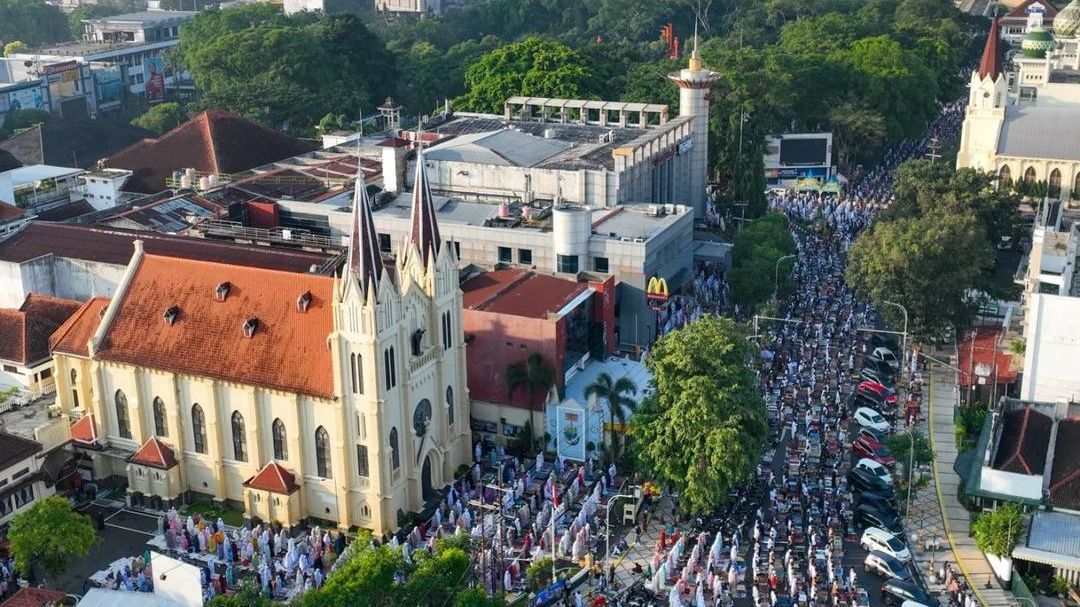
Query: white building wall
[1052,333]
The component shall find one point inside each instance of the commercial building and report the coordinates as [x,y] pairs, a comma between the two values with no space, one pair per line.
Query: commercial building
[293,394]
[514,314]
[421,7]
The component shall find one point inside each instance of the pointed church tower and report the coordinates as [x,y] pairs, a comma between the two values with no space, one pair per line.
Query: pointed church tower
[364,260]
[989,94]
[424,229]
[989,87]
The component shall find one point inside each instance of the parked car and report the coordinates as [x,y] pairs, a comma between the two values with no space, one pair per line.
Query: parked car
[864,446]
[896,592]
[874,402]
[888,394]
[877,469]
[882,378]
[870,418]
[878,340]
[887,356]
[884,518]
[862,480]
[862,598]
[876,538]
[878,500]
[879,366]
[886,566]
[875,435]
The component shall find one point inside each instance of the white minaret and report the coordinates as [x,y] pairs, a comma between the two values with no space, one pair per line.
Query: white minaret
[694,84]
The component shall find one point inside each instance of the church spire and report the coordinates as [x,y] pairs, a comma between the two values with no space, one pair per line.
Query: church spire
[990,65]
[364,260]
[425,229]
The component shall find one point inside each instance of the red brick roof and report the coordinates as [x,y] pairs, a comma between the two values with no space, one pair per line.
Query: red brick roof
[1064,486]
[24,333]
[985,351]
[273,477]
[115,246]
[72,336]
[84,430]
[155,454]
[287,351]
[519,293]
[33,597]
[990,65]
[9,212]
[215,141]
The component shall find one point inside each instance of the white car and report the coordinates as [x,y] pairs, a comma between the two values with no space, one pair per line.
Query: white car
[869,418]
[886,356]
[876,538]
[874,468]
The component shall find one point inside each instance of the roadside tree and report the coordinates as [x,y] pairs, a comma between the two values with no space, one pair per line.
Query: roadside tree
[48,535]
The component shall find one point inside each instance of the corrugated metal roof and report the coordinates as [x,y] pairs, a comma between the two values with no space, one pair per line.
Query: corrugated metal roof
[1055,532]
[504,147]
[1041,132]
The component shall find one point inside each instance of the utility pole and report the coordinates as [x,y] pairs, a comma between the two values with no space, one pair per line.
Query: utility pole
[933,154]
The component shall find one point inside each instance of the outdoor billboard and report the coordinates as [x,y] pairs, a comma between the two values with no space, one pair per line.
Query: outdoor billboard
[26,99]
[109,85]
[155,79]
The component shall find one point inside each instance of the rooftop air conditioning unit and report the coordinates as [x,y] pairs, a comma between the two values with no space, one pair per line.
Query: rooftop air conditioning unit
[653,210]
[669,209]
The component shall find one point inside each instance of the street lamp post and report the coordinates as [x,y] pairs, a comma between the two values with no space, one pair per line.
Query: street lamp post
[903,347]
[607,523]
[776,276]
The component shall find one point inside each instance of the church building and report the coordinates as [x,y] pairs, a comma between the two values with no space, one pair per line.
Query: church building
[291,395]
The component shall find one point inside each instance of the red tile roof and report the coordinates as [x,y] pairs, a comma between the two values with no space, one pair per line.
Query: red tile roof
[519,293]
[1019,15]
[215,141]
[84,430]
[115,246]
[24,333]
[155,454]
[33,597]
[9,212]
[1025,436]
[288,350]
[990,65]
[986,351]
[72,336]
[273,477]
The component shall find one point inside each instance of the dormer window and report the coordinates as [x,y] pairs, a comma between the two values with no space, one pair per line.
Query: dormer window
[222,290]
[303,301]
[250,326]
[171,314]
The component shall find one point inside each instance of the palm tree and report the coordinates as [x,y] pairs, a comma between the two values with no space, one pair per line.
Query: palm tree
[532,374]
[614,393]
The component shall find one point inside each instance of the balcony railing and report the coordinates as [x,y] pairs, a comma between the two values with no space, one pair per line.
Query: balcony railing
[425,357]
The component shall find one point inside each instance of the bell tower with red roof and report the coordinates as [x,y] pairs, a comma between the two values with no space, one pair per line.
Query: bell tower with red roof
[988,95]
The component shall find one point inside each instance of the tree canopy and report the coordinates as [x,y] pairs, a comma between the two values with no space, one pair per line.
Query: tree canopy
[49,534]
[755,254]
[534,67]
[932,251]
[33,22]
[997,532]
[702,429]
[161,118]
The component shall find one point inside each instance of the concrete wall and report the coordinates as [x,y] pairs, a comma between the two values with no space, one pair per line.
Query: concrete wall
[1052,349]
[57,276]
[498,341]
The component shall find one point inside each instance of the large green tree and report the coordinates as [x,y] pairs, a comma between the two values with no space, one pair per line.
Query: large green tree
[702,429]
[48,535]
[534,67]
[161,118]
[756,269]
[928,264]
[32,21]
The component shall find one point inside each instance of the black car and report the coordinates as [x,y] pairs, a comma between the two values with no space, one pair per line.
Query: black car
[869,516]
[875,499]
[878,404]
[884,379]
[864,481]
[879,366]
[895,592]
[883,340]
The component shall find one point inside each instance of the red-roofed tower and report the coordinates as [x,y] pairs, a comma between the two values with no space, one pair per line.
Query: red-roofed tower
[988,96]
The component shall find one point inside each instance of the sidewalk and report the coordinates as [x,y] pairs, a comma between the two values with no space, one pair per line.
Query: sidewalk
[955,526]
